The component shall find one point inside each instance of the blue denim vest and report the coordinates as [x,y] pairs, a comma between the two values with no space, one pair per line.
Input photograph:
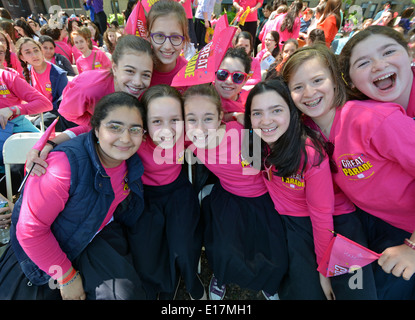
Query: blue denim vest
[90,196]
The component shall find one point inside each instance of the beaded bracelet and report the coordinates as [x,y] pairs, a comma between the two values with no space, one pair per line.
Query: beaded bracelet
[69,278]
[410,244]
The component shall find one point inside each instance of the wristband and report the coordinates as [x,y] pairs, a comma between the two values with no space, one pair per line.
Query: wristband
[53,144]
[71,276]
[410,244]
[14,110]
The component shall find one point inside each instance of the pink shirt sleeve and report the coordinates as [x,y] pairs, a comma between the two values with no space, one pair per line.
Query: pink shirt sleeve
[44,198]
[320,202]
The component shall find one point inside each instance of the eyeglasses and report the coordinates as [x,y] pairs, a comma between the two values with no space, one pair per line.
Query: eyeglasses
[119,129]
[160,38]
[237,76]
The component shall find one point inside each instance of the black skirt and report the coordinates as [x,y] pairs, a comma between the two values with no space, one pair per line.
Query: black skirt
[167,239]
[244,240]
[105,266]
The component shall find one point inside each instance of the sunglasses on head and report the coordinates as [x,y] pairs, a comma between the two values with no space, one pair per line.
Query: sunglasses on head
[237,76]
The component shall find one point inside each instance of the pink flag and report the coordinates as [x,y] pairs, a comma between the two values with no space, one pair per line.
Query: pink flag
[48,134]
[202,66]
[136,23]
[344,255]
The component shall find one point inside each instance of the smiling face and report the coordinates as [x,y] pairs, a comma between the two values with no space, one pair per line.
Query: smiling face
[114,148]
[228,89]
[202,120]
[167,53]
[133,73]
[165,121]
[312,89]
[270,116]
[381,69]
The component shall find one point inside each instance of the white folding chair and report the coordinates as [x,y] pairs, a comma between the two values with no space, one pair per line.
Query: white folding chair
[15,149]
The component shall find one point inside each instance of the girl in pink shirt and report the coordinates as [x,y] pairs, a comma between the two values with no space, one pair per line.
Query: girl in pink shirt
[18,98]
[47,78]
[131,72]
[231,76]
[169,234]
[168,34]
[377,65]
[91,58]
[318,91]
[96,262]
[288,24]
[243,236]
[297,174]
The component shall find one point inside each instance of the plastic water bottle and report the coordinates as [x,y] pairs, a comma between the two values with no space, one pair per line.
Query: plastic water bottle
[4,231]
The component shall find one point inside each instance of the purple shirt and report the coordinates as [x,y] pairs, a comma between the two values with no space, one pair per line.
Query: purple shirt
[98,5]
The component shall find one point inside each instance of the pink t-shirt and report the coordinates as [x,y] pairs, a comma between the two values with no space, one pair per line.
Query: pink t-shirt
[41,81]
[309,194]
[82,94]
[374,152]
[236,175]
[38,212]
[237,105]
[96,60]
[167,77]
[253,16]
[64,49]
[161,166]
[285,35]
[14,90]
[15,64]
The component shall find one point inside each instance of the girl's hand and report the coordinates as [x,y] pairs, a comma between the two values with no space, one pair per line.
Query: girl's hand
[5,114]
[399,260]
[326,286]
[33,157]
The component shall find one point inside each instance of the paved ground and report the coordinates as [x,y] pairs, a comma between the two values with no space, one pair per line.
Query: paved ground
[233,292]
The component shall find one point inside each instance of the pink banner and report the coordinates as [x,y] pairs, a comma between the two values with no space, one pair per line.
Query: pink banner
[344,255]
[136,23]
[202,66]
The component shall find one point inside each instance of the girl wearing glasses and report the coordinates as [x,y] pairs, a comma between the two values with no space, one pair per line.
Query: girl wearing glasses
[243,236]
[91,58]
[131,73]
[79,238]
[362,133]
[167,29]
[231,76]
[168,234]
